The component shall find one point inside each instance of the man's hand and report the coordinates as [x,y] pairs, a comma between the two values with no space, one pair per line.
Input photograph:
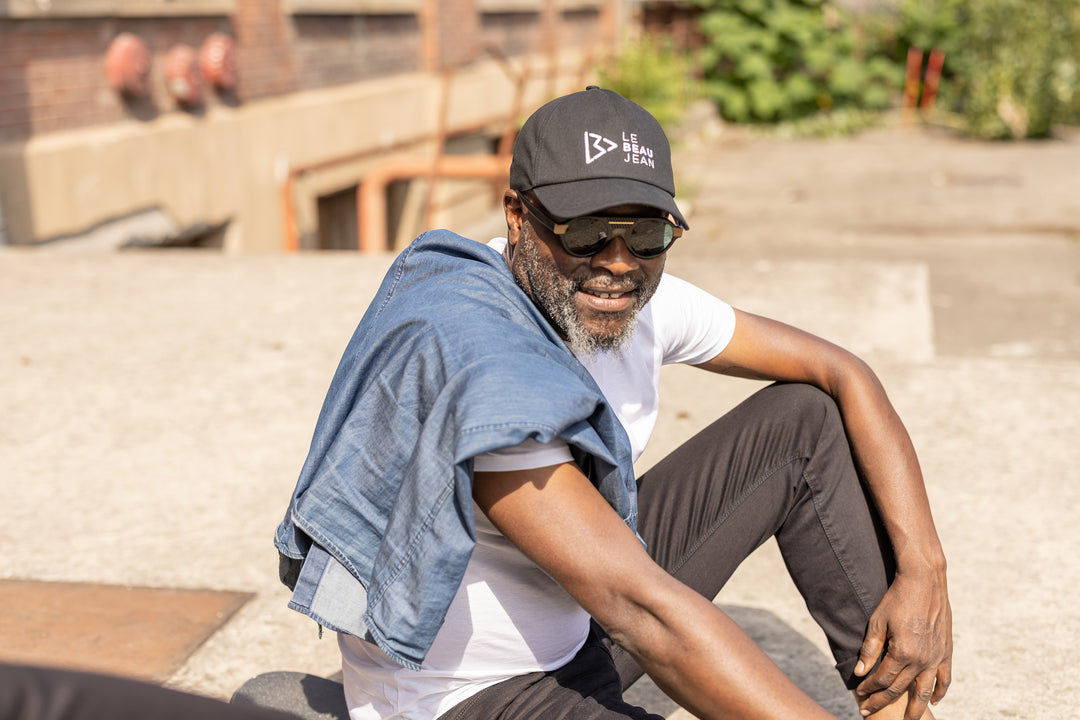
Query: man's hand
[913,624]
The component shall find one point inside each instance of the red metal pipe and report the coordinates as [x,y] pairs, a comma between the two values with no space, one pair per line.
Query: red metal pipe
[911,82]
[440,145]
[933,78]
[371,195]
[434,166]
[291,241]
[288,211]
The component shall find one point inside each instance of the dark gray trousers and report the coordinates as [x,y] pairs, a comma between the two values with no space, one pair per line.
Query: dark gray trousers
[777,465]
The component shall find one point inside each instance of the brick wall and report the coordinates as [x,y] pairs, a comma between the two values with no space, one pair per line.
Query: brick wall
[333,50]
[52,75]
[458,32]
[580,28]
[264,58]
[52,72]
[511,33]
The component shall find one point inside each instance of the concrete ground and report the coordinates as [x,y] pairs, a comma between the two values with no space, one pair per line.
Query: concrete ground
[156,406]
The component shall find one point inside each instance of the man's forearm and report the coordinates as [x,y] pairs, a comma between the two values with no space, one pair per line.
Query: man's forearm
[700,658]
[688,645]
[886,458]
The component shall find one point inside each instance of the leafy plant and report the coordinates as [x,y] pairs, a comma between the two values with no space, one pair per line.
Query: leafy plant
[1011,65]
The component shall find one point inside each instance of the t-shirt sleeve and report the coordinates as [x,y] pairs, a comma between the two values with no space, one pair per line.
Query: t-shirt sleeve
[529,454]
[692,325]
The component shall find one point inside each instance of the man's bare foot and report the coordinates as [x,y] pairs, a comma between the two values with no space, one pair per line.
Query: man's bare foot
[896,712]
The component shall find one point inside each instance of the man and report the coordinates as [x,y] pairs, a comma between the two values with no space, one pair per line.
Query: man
[467,518]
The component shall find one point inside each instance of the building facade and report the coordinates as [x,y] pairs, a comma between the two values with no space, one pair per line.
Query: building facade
[251,124]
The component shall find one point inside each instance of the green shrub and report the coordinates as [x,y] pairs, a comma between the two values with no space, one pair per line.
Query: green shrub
[1011,66]
[774,60]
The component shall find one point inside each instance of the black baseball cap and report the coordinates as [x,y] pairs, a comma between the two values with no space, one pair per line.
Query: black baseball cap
[591,150]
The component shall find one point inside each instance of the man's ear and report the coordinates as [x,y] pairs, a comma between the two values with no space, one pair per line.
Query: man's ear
[514,218]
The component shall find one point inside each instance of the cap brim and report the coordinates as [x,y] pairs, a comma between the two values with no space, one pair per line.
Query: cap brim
[564,201]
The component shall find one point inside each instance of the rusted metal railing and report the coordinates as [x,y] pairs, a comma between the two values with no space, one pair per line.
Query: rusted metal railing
[371,192]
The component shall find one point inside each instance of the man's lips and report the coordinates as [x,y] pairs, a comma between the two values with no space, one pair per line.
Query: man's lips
[608,299]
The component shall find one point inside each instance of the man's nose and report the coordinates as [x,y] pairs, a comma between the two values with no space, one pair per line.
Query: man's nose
[616,258]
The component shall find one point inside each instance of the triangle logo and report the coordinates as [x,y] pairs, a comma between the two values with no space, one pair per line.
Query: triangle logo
[597,146]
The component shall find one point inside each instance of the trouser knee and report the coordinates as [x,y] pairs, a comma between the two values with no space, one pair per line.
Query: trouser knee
[804,406]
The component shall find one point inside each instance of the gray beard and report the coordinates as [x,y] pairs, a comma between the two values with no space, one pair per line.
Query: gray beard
[554,293]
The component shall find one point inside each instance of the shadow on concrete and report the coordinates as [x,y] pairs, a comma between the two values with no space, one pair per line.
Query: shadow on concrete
[308,697]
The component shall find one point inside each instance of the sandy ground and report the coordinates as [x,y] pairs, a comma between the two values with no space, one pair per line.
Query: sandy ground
[156,406]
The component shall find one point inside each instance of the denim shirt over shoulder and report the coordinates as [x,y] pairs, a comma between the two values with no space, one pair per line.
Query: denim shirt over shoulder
[450,360]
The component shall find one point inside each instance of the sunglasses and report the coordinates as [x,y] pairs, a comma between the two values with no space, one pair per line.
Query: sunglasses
[586,236]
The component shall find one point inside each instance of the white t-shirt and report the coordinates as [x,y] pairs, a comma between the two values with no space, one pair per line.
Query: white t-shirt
[509,617]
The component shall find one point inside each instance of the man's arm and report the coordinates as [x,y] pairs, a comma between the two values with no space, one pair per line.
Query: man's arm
[914,617]
[693,651]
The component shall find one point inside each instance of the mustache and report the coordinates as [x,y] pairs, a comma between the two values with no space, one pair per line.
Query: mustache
[608,284]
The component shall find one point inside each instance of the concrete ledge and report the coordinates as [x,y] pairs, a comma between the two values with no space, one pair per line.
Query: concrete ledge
[880,310]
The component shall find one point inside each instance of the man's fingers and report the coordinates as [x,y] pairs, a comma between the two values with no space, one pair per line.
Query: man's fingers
[919,696]
[897,675]
[880,700]
[944,679]
[872,645]
[884,676]
[871,701]
[887,684]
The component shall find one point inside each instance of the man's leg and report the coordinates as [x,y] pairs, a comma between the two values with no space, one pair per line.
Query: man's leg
[778,464]
[586,688]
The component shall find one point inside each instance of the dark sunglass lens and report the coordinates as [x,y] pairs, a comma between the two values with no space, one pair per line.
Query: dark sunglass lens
[650,237]
[585,236]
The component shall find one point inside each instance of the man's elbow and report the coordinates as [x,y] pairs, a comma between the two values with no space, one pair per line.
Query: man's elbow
[645,618]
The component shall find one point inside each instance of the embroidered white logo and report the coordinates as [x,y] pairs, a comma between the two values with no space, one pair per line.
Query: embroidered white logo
[635,153]
[596,145]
